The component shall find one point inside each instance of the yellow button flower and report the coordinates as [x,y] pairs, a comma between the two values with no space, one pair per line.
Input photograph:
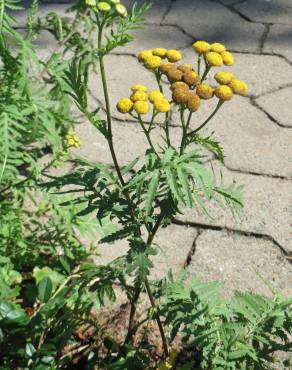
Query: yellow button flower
[193,102]
[141,107]
[152,62]
[164,68]
[217,47]
[174,75]
[162,105]
[144,54]
[121,10]
[214,59]
[228,58]
[201,47]
[191,78]
[239,87]
[180,96]
[173,55]
[155,94]
[139,95]
[223,92]
[224,78]
[179,85]
[139,87]
[103,6]
[160,52]
[73,140]
[185,67]
[205,91]
[125,105]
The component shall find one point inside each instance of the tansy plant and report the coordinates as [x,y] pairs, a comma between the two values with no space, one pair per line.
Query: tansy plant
[134,201]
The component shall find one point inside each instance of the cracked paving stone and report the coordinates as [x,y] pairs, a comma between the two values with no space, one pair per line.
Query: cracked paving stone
[155,13]
[172,252]
[214,22]
[275,11]
[279,41]
[265,147]
[152,36]
[241,262]
[279,106]
[129,140]
[267,207]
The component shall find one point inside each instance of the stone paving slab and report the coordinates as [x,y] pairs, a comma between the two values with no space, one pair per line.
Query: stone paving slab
[279,106]
[267,11]
[240,262]
[279,41]
[267,208]
[248,137]
[149,37]
[212,21]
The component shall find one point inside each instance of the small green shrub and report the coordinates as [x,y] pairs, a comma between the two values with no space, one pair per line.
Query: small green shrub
[51,292]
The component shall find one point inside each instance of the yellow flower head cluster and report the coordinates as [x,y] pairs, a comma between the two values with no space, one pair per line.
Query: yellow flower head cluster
[238,87]
[182,73]
[139,99]
[73,140]
[181,94]
[105,6]
[152,59]
[215,54]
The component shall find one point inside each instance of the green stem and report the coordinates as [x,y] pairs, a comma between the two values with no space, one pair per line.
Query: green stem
[159,323]
[147,134]
[158,79]
[199,64]
[166,129]
[111,146]
[109,122]
[183,139]
[220,103]
[207,70]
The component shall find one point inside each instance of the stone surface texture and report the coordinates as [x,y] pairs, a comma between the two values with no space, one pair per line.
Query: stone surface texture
[255,132]
[279,106]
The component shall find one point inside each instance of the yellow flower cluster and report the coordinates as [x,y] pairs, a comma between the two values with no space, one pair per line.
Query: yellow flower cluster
[182,73]
[138,101]
[215,54]
[181,94]
[106,6]
[73,140]
[238,87]
[152,59]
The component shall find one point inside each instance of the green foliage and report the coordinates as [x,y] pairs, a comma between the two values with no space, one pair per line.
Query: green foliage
[242,333]
[51,291]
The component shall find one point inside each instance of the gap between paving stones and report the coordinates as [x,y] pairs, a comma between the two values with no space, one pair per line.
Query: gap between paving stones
[204,226]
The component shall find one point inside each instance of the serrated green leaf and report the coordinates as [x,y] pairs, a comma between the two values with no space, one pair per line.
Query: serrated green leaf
[153,185]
